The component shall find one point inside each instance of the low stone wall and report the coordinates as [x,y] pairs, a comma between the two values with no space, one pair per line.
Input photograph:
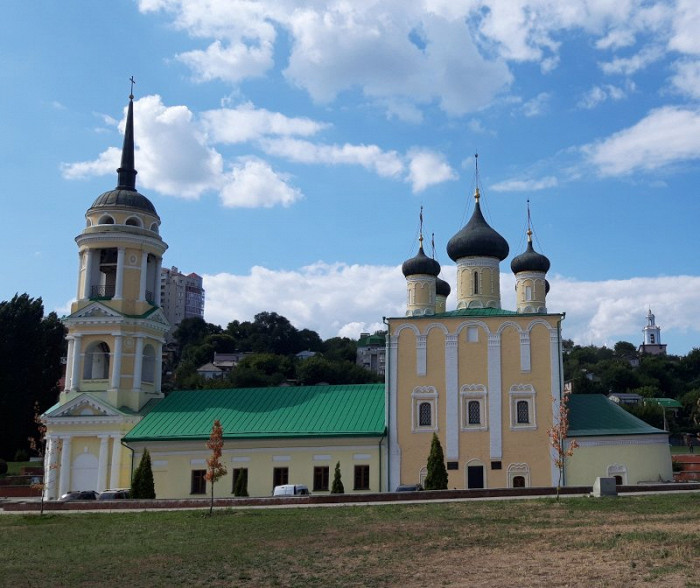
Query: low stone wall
[425,495]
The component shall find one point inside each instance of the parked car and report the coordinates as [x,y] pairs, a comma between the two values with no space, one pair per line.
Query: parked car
[291,490]
[409,488]
[78,495]
[121,494]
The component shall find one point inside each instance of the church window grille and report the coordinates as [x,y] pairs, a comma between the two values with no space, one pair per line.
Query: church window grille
[523,411]
[474,412]
[476,282]
[425,414]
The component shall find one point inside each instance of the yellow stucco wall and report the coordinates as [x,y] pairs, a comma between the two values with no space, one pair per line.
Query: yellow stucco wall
[642,461]
[519,445]
[173,463]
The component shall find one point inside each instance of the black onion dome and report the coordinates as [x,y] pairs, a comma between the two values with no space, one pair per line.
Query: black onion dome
[442,288]
[477,239]
[124,199]
[546,287]
[530,261]
[420,264]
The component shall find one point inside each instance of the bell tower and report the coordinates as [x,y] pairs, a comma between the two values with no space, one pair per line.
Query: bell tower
[116,328]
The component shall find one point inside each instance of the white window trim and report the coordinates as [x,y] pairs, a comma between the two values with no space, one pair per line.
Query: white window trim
[419,395]
[518,469]
[527,393]
[473,392]
[617,469]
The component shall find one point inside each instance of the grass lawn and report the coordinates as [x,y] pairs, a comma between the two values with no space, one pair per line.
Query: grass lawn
[625,541]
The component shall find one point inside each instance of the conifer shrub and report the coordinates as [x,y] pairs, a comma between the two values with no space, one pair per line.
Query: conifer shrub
[437,472]
[337,487]
[142,486]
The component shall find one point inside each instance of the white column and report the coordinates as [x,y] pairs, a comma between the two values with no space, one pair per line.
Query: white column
[156,286]
[102,463]
[144,275]
[69,364]
[557,385]
[75,365]
[392,412]
[452,397]
[87,282]
[495,396]
[158,375]
[79,293]
[64,471]
[116,361]
[116,462]
[138,362]
[119,286]
[50,468]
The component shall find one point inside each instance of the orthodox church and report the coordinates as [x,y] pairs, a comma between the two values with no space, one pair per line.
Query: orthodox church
[486,380]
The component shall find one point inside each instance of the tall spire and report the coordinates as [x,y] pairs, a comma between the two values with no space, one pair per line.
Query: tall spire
[127,172]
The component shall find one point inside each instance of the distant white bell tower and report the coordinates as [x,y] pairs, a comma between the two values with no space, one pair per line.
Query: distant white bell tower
[652,337]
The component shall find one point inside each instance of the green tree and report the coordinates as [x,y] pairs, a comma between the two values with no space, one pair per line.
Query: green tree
[337,487]
[437,472]
[31,347]
[142,485]
[215,468]
[340,349]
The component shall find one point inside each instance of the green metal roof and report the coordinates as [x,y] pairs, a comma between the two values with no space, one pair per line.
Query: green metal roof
[372,340]
[595,415]
[256,413]
[665,402]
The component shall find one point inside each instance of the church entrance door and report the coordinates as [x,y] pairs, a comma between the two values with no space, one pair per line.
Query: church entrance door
[475,477]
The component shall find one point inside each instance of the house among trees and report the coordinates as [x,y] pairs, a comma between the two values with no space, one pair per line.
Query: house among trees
[487,381]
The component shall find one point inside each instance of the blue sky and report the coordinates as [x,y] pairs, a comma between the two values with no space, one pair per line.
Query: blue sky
[289,145]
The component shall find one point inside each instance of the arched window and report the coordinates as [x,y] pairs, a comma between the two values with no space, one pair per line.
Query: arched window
[425,415]
[476,282]
[618,480]
[148,369]
[106,220]
[154,227]
[528,293]
[523,412]
[96,365]
[133,221]
[519,482]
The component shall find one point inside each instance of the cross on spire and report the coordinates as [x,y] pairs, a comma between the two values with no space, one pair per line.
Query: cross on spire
[133,81]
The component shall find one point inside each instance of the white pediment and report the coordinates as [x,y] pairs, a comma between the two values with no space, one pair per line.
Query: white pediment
[95,310]
[158,317]
[84,405]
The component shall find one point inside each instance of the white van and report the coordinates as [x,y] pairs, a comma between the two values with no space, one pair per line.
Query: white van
[291,490]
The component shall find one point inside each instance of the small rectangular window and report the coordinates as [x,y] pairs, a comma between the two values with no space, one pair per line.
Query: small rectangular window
[199,482]
[361,477]
[236,474]
[496,465]
[321,474]
[280,476]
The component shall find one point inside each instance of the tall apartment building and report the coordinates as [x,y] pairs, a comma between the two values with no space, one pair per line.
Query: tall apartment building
[181,296]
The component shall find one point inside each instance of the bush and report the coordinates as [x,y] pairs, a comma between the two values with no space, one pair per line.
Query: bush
[142,486]
[337,487]
[3,467]
[437,473]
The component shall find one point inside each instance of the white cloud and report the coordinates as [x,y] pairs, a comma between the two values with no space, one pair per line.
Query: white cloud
[537,105]
[371,157]
[665,136]
[630,65]
[525,185]
[106,163]
[246,123]
[599,313]
[687,78]
[323,297]
[427,168]
[686,24]
[599,94]
[252,183]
